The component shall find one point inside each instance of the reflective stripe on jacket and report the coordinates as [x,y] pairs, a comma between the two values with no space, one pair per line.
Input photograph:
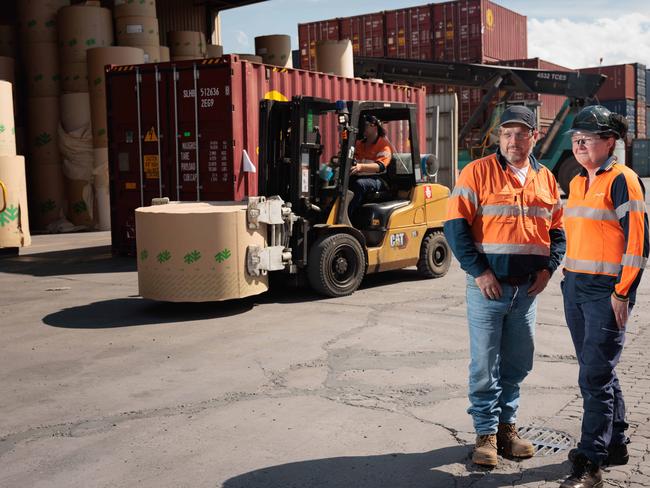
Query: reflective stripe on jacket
[607,231]
[494,221]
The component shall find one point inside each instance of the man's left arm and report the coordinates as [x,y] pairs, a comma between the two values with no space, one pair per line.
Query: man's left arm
[382,160]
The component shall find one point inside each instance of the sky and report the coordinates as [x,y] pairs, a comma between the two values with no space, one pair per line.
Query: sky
[575,34]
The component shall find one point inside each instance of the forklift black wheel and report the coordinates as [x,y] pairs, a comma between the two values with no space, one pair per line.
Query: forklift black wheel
[336,265]
[435,256]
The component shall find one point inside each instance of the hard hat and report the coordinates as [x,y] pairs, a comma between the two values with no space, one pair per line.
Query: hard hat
[599,120]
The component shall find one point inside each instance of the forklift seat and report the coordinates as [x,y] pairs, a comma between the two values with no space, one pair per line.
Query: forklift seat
[372,219]
[383,195]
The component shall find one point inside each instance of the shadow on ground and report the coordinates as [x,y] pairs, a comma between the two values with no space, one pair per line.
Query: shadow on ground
[417,470]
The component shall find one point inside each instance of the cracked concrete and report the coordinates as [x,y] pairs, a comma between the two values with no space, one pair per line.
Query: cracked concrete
[101,388]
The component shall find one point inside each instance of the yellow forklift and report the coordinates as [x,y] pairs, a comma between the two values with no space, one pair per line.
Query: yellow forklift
[310,232]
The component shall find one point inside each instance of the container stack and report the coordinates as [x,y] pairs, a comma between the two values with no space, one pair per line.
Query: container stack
[14,220]
[38,39]
[136,25]
[80,27]
[186,45]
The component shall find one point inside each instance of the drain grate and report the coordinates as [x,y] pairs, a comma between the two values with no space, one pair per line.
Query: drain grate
[546,441]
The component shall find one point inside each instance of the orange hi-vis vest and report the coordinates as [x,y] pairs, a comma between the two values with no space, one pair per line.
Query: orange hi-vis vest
[607,228]
[494,221]
[377,152]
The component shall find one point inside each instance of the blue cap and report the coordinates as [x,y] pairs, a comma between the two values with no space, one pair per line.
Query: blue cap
[518,114]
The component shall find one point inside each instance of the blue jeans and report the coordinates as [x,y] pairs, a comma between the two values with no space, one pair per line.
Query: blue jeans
[501,336]
[598,343]
[362,185]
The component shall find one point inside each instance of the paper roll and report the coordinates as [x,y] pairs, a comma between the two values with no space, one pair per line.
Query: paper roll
[14,220]
[81,28]
[196,252]
[7,125]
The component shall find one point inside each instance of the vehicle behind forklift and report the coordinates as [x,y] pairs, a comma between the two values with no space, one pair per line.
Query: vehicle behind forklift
[392,229]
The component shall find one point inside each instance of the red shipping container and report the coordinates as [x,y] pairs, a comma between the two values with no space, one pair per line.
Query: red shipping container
[620,83]
[310,34]
[641,121]
[478,31]
[366,33]
[409,33]
[156,126]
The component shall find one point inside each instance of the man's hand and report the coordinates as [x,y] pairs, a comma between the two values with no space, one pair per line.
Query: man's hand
[355,169]
[541,280]
[621,311]
[489,285]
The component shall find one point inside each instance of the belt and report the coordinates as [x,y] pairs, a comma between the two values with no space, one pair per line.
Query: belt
[517,280]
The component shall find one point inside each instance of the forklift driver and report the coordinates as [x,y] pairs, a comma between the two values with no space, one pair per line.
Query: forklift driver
[373,155]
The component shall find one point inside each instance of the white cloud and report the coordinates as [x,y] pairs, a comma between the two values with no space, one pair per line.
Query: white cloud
[243,41]
[575,44]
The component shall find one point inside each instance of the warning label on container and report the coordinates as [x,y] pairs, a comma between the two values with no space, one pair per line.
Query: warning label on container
[151,166]
[151,136]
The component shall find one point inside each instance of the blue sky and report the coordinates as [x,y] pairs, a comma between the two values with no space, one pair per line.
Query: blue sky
[574,34]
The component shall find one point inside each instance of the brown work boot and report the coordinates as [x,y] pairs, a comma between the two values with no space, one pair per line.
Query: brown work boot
[485,451]
[584,474]
[511,445]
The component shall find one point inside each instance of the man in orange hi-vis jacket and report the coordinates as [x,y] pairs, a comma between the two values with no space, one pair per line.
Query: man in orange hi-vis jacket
[372,155]
[607,248]
[504,225]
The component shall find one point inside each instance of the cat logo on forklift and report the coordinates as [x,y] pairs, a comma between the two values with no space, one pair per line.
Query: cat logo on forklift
[398,240]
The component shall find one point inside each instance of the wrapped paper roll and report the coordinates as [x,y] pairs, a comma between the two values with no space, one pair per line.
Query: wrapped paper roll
[14,221]
[196,252]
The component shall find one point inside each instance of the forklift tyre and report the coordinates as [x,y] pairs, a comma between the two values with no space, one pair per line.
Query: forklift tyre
[435,256]
[337,265]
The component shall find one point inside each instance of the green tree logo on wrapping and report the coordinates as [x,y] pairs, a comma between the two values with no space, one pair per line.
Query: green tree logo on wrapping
[144,255]
[9,215]
[47,206]
[79,207]
[91,42]
[43,139]
[192,257]
[50,23]
[72,42]
[221,256]
[164,256]
[2,128]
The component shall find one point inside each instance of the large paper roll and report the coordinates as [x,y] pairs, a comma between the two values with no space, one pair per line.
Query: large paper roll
[74,77]
[7,69]
[46,195]
[42,131]
[75,111]
[214,51]
[81,28]
[187,43]
[129,8]
[8,41]
[37,19]
[137,31]
[335,57]
[196,252]
[164,54]
[14,221]
[7,125]
[42,69]
[275,50]
[98,58]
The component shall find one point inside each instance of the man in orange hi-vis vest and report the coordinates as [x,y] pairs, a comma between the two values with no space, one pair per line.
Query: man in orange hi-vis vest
[607,248]
[504,225]
[372,155]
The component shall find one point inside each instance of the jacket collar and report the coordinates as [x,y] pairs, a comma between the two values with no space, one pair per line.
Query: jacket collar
[606,166]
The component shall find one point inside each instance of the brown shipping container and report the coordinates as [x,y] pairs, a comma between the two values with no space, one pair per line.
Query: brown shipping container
[226,117]
[409,33]
[366,33]
[476,31]
[620,83]
[309,34]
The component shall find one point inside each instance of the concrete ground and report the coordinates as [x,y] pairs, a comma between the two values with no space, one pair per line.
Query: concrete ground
[101,388]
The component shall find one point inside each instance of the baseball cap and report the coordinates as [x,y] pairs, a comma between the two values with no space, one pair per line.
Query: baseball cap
[518,114]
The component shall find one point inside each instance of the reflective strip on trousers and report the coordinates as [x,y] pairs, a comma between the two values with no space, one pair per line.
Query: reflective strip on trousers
[590,213]
[535,249]
[630,206]
[514,211]
[592,266]
[465,192]
[634,261]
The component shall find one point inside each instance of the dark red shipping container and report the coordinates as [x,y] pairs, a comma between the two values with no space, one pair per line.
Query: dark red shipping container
[156,124]
[310,34]
[620,83]
[409,33]
[478,31]
[366,33]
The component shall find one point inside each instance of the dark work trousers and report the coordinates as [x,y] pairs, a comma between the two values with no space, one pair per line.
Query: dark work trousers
[362,185]
[598,343]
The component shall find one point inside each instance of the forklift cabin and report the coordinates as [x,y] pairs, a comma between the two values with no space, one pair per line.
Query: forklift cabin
[390,230]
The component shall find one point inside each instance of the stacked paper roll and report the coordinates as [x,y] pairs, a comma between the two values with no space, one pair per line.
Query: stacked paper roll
[136,25]
[335,57]
[185,45]
[8,132]
[275,50]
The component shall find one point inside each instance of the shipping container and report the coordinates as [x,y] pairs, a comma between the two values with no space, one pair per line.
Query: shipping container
[478,31]
[647,85]
[641,156]
[641,100]
[366,33]
[409,33]
[468,100]
[620,83]
[647,121]
[166,142]
[310,34]
[626,108]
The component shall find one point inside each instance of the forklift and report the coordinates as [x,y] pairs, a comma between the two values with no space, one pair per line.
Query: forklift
[310,233]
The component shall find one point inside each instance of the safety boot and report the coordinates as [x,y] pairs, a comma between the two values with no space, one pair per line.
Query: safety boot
[584,474]
[511,445]
[616,455]
[485,451]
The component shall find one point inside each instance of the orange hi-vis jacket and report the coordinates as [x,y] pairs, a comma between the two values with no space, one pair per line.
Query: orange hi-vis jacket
[377,152]
[496,222]
[607,232]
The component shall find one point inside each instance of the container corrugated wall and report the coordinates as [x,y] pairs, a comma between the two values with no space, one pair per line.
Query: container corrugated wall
[620,83]
[180,15]
[367,34]
[409,33]
[226,117]
[641,156]
[309,34]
